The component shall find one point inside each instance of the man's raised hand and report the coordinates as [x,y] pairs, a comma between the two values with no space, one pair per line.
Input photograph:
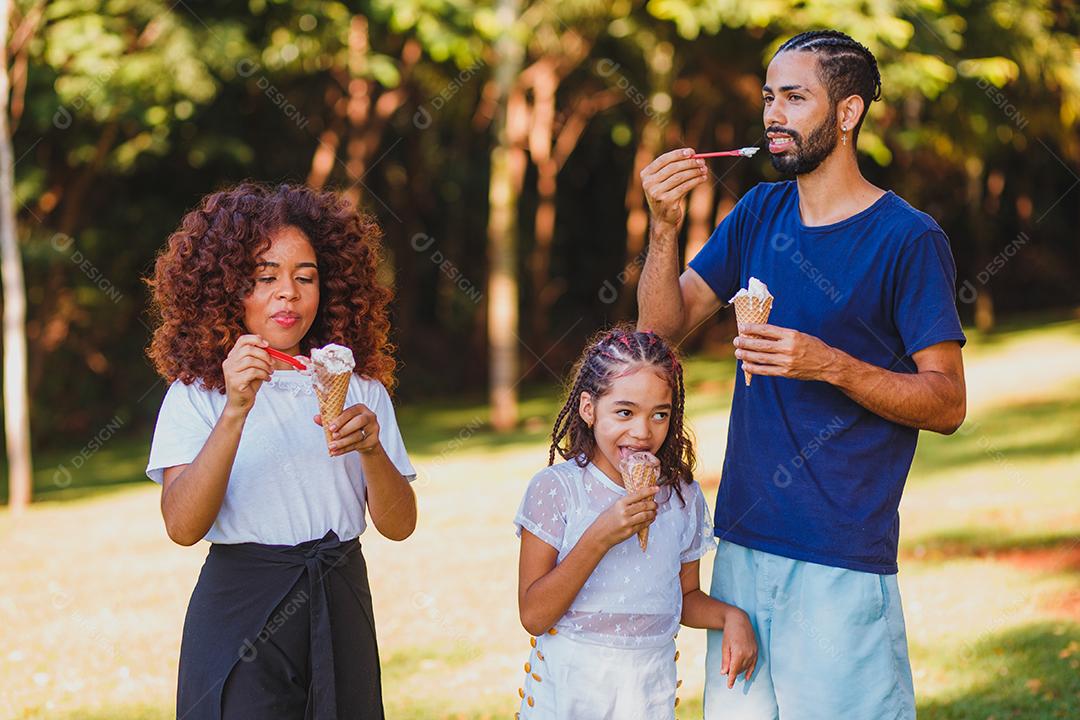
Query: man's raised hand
[667,180]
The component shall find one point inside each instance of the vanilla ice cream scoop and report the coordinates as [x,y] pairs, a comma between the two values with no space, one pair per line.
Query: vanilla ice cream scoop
[334,359]
[754,289]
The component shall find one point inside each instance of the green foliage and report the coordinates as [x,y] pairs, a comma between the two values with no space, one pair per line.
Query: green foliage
[134,110]
[132,63]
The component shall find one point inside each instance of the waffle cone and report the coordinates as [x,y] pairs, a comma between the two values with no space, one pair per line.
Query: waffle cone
[751,310]
[331,391]
[639,471]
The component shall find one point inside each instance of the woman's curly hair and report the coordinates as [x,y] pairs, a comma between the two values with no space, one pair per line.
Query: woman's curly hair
[609,355]
[208,267]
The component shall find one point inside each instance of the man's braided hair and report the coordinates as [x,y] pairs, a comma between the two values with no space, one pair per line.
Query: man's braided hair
[847,67]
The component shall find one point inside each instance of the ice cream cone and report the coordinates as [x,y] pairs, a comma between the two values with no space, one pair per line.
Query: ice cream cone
[752,306]
[331,391]
[331,367]
[751,310]
[640,470]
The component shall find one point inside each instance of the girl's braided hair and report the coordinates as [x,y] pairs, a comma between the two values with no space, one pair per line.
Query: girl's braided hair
[609,355]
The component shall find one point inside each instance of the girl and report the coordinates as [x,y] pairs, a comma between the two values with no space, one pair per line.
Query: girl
[280,622]
[603,613]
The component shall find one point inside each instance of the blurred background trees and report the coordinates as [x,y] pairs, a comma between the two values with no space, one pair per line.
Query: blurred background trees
[498,142]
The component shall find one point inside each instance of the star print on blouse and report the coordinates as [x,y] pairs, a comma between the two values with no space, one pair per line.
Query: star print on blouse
[642,610]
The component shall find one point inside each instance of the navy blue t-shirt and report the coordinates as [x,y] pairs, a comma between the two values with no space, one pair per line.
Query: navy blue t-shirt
[809,473]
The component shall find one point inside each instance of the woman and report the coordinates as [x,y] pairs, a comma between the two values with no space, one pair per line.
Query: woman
[280,622]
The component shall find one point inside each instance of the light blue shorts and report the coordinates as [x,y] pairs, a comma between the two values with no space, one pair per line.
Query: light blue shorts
[831,642]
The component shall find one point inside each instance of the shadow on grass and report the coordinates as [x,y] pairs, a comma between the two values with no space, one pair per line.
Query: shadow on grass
[126,712]
[400,667]
[689,708]
[65,475]
[405,710]
[437,429]
[1051,552]
[1032,672]
[441,428]
[1026,431]
[1021,327]
[410,710]
[423,666]
[1029,672]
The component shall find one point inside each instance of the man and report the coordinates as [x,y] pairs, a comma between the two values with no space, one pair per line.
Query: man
[861,352]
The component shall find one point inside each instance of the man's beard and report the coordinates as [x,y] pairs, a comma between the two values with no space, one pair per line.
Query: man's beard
[805,158]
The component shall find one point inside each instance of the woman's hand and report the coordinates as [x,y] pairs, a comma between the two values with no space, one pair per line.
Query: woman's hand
[739,650]
[626,517]
[356,428]
[246,368]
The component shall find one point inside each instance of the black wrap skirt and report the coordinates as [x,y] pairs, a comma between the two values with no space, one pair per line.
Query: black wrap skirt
[277,631]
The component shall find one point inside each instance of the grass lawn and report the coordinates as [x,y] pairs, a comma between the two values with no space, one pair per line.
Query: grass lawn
[94,593]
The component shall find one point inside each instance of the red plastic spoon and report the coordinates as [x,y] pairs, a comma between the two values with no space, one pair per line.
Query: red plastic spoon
[285,358]
[741,152]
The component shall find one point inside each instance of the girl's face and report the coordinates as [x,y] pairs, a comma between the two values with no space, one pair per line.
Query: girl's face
[633,415]
[283,304]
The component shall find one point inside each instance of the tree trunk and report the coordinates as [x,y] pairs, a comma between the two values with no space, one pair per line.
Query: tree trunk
[16,399]
[367,110]
[550,151]
[54,312]
[545,84]
[20,49]
[502,295]
[325,155]
[358,107]
[984,300]
[699,214]
[985,316]
[661,64]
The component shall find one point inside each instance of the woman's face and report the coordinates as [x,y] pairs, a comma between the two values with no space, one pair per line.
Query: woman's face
[283,304]
[633,415]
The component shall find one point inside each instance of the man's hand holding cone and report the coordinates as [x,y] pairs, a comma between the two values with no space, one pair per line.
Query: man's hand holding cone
[767,349]
[752,307]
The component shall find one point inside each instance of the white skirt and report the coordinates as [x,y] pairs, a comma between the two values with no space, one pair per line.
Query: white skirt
[567,679]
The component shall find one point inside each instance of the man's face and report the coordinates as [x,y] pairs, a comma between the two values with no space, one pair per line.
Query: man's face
[800,120]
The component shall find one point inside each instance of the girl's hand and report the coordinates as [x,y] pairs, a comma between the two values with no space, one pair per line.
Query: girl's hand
[631,513]
[356,428]
[739,650]
[246,368]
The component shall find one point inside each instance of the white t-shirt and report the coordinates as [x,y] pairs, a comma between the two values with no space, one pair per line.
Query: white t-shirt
[284,487]
[632,598]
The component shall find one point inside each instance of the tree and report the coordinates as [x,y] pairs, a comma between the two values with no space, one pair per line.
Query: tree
[507,167]
[110,88]
[16,399]
[126,112]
